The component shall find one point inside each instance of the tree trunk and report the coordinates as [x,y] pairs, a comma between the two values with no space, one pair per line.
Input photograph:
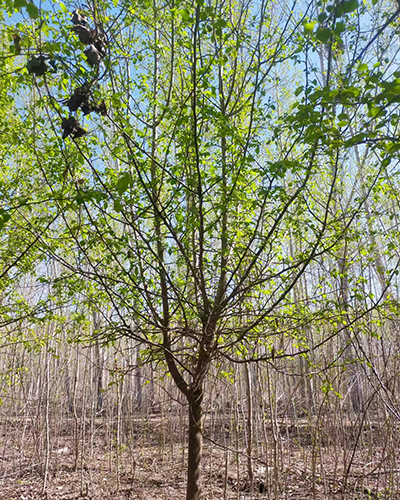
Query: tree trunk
[249,425]
[99,377]
[99,362]
[195,399]
[138,380]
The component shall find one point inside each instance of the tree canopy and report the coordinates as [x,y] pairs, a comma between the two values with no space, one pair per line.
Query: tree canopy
[199,173]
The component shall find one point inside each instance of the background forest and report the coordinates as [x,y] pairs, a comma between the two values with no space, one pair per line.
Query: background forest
[199,256]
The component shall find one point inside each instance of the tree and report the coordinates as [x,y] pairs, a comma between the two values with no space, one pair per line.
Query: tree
[208,143]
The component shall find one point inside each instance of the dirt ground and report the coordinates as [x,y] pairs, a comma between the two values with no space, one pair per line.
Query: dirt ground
[148,468]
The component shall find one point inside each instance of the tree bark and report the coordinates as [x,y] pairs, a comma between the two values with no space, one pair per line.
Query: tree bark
[195,399]
[98,377]
[249,425]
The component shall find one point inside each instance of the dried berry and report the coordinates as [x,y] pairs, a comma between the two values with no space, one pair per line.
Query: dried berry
[93,56]
[37,66]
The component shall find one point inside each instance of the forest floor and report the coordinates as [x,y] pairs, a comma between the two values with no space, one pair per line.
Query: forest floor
[151,467]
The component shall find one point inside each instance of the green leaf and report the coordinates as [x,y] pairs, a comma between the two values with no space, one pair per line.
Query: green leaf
[18,4]
[350,6]
[323,35]
[185,14]
[3,219]
[22,200]
[32,10]
[391,148]
[118,206]
[356,139]
[362,68]
[63,7]
[79,199]
[124,182]
[339,28]
[309,27]
[93,194]
[375,111]
[339,10]
[298,91]
[221,23]
[350,92]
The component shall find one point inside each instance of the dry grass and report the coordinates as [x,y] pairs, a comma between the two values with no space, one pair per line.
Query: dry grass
[151,466]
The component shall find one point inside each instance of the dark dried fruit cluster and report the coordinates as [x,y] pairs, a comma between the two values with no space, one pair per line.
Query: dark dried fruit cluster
[71,127]
[37,66]
[81,98]
[93,37]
